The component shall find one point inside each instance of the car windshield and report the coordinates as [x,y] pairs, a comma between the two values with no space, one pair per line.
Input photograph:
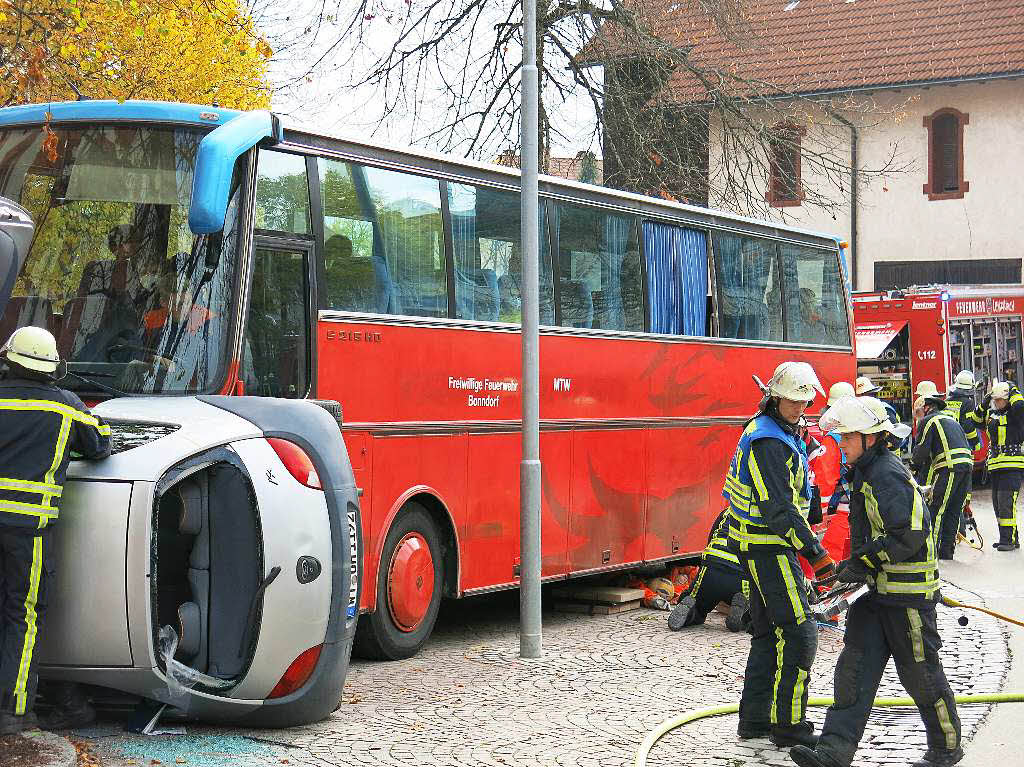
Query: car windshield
[136,301]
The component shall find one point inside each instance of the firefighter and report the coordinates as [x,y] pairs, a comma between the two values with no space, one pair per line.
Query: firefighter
[719,579]
[944,458]
[1002,412]
[769,494]
[894,554]
[960,402]
[41,425]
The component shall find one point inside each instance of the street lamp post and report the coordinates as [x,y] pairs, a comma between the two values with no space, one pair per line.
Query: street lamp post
[529,467]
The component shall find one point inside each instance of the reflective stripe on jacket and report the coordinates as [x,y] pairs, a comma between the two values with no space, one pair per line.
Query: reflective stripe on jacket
[959,405]
[1005,433]
[942,446]
[746,490]
[718,543]
[890,530]
[41,425]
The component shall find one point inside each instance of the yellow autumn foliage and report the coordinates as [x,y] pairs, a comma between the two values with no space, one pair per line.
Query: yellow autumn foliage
[204,51]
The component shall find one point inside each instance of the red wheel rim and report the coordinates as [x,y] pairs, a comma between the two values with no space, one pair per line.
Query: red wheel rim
[410,581]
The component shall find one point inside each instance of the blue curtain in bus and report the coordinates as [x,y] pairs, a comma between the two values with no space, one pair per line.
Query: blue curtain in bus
[677,279]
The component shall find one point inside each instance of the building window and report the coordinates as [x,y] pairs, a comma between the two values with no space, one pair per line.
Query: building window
[946,155]
[784,186]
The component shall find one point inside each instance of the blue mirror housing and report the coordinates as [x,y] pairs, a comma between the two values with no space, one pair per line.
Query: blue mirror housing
[215,162]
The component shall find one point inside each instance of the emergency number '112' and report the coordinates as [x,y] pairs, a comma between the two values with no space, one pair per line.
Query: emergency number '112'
[927,354]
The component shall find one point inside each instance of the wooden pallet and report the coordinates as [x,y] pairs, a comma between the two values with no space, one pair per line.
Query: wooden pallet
[607,595]
[596,608]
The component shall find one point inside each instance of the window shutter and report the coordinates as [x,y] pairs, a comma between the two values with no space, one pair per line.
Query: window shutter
[946,154]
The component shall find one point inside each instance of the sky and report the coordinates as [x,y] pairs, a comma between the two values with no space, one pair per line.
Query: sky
[324,100]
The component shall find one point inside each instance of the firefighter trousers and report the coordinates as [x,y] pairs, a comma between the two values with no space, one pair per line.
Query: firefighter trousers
[1005,488]
[714,583]
[25,568]
[783,645]
[874,632]
[949,496]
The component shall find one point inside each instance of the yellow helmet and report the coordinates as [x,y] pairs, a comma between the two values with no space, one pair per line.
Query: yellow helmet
[33,348]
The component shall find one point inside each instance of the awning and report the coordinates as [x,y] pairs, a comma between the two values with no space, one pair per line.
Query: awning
[872,339]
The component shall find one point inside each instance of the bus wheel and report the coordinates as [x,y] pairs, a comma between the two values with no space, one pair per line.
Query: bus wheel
[409,584]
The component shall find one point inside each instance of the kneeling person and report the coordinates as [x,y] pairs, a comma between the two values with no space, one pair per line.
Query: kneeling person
[720,579]
[894,553]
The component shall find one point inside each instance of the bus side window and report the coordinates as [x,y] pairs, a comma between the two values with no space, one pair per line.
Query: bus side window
[677,279]
[749,289]
[487,237]
[282,193]
[383,244]
[815,296]
[597,253]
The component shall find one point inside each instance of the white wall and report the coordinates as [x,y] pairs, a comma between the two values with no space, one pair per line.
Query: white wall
[896,220]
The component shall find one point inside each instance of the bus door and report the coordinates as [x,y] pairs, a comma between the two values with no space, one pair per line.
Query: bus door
[278,346]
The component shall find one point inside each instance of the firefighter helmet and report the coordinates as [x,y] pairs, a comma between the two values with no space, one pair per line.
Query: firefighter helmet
[795,381]
[864,415]
[926,389]
[1000,389]
[33,348]
[965,380]
[865,385]
[839,390]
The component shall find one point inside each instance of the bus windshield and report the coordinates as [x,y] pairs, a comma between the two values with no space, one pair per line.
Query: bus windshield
[136,301]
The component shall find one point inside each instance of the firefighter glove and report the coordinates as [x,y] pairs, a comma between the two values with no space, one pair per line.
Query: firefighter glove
[852,571]
[824,568]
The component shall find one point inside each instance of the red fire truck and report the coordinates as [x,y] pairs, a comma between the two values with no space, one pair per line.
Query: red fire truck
[931,333]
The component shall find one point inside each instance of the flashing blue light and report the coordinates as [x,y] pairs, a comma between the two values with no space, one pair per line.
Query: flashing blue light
[944,295]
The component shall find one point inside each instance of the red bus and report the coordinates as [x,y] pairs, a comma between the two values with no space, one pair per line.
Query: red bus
[931,333]
[388,280]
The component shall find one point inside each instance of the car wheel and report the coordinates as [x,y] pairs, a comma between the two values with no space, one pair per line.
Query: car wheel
[410,579]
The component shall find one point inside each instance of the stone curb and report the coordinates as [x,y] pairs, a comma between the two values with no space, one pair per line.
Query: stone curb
[61,752]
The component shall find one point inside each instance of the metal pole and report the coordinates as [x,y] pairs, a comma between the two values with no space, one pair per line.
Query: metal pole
[529,467]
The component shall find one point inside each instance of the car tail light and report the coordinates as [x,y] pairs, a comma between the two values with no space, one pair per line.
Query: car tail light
[297,462]
[297,673]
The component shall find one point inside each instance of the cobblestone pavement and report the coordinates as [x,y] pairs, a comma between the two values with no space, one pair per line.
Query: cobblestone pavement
[603,683]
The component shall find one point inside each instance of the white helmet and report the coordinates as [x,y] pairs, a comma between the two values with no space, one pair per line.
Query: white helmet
[865,385]
[927,389]
[965,380]
[795,381]
[1000,389]
[33,348]
[864,415]
[838,390]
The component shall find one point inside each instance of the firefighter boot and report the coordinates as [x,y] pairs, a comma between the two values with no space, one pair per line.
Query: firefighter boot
[800,734]
[808,757]
[71,708]
[680,614]
[738,606]
[940,757]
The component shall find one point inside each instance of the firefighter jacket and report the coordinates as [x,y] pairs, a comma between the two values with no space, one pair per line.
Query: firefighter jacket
[960,404]
[1005,432]
[941,447]
[769,492]
[41,425]
[717,550]
[890,531]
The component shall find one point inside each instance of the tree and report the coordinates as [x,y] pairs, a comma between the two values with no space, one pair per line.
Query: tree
[450,69]
[208,51]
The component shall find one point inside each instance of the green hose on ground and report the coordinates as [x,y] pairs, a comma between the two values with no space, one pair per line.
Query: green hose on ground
[692,716]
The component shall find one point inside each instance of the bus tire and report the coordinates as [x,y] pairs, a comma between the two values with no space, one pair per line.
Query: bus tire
[410,580]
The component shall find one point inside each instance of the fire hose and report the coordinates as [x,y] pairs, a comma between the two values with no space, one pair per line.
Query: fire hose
[692,716]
